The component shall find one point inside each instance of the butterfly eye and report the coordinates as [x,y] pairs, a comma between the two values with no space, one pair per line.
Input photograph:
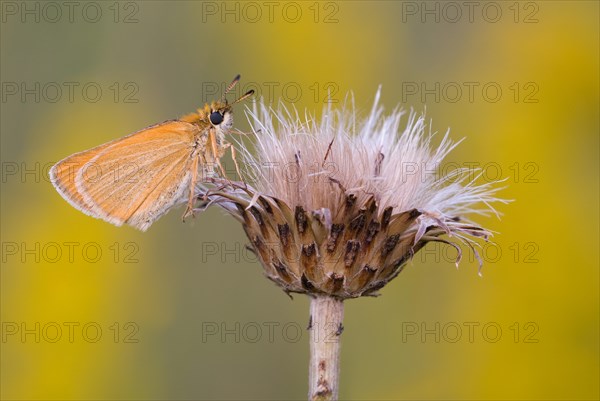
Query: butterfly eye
[216,118]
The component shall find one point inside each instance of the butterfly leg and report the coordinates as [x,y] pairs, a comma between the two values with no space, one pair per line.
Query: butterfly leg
[242,133]
[215,149]
[234,158]
[189,210]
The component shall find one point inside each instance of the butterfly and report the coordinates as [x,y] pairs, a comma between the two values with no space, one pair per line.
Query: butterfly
[136,179]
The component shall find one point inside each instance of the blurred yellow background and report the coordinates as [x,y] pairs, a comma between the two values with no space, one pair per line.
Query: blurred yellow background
[92,311]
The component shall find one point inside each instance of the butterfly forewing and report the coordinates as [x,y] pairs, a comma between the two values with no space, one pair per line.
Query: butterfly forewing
[134,179]
[63,173]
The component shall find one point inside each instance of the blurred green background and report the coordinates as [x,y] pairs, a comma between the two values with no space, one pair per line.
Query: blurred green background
[92,311]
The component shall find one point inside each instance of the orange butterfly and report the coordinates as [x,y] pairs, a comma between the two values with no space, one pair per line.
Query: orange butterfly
[138,178]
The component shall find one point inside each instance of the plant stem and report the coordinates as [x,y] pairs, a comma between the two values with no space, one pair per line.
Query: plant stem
[325,326]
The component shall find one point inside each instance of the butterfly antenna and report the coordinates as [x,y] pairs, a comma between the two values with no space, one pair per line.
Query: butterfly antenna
[230,87]
[244,96]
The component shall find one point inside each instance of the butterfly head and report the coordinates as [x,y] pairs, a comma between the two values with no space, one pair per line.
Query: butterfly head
[220,113]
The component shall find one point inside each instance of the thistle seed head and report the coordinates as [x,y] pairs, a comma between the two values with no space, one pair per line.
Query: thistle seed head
[338,207]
